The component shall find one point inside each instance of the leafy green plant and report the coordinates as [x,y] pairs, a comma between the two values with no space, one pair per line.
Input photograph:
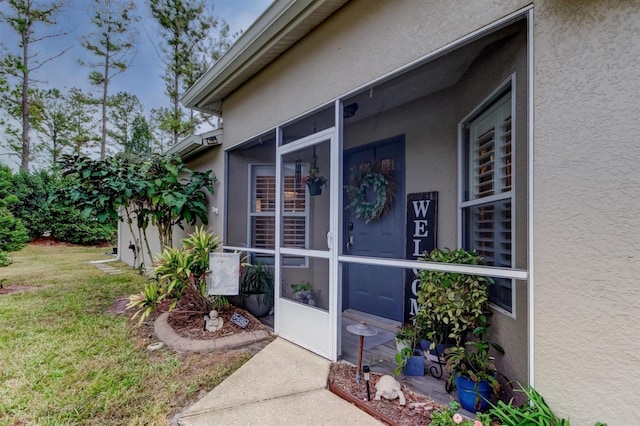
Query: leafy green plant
[473,360]
[146,301]
[449,416]
[72,227]
[161,191]
[31,207]
[451,303]
[401,360]
[13,234]
[4,261]
[302,287]
[258,279]
[181,273]
[535,411]
[409,334]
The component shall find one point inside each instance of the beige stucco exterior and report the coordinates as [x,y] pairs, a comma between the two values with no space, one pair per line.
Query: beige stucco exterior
[585,226]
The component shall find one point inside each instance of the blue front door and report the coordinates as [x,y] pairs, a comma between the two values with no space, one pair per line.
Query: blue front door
[368,288]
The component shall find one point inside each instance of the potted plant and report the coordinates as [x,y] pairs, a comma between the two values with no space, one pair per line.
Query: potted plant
[314,181]
[409,358]
[473,370]
[406,336]
[256,288]
[451,303]
[304,293]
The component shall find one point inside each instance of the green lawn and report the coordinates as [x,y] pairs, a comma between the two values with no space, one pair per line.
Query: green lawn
[65,360]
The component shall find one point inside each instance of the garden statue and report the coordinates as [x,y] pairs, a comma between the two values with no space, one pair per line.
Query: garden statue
[389,388]
[213,322]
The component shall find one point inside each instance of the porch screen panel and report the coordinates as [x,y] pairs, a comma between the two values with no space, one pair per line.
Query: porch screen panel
[487,210]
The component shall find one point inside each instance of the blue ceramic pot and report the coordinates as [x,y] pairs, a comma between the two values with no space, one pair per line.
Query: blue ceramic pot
[473,396]
[415,366]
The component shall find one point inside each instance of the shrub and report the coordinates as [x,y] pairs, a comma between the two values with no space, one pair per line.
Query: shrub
[13,234]
[451,304]
[4,261]
[71,226]
[32,207]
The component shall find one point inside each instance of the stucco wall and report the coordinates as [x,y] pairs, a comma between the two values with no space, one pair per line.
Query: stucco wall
[586,212]
[586,179]
[361,42]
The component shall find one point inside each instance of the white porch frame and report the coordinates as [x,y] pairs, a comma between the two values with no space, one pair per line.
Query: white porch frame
[336,171]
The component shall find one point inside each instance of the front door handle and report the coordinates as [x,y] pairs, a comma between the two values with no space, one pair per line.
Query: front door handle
[349,244]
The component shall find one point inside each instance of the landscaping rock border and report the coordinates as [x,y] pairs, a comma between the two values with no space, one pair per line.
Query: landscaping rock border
[165,333]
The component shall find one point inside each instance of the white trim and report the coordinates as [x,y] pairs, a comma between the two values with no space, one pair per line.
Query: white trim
[530,191]
[278,240]
[492,99]
[310,140]
[326,322]
[486,271]
[305,252]
[485,200]
[335,216]
[249,250]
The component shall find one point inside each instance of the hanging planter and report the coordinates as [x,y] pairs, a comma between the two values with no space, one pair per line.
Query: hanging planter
[315,188]
[314,181]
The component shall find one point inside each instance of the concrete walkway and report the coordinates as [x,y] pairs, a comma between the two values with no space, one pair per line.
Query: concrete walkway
[281,385]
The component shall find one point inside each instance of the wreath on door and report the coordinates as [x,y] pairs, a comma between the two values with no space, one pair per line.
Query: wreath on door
[375,177]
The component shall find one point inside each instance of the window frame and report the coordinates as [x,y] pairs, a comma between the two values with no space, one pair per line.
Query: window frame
[252,213]
[506,88]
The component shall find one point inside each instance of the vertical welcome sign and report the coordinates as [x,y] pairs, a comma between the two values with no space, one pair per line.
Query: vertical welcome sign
[422,214]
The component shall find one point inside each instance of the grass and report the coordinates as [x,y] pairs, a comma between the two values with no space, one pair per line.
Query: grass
[64,359]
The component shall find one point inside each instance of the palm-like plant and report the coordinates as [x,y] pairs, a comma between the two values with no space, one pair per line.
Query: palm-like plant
[181,272]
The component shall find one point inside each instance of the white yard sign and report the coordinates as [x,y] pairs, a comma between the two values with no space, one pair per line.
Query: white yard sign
[223,278]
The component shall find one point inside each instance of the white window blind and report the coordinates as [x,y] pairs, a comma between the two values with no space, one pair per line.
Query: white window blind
[263,208]
[487,205]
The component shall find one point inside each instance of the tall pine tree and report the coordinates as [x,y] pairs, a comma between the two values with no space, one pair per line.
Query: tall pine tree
[24,17]
[191,38]
[112,43]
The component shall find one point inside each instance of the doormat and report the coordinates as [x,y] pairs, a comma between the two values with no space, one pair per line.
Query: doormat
[381,338]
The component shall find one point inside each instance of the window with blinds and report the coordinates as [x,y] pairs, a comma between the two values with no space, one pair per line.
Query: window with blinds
[263,210]
[487,207]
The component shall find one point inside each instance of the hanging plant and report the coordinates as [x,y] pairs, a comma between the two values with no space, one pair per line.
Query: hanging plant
[371,176]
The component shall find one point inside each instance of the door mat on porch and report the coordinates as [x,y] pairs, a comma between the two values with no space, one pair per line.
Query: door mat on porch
[381,338]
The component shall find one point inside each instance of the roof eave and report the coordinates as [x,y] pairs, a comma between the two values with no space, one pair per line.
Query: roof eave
[276,30]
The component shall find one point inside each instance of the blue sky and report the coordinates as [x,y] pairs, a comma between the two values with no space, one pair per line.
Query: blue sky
[143,76]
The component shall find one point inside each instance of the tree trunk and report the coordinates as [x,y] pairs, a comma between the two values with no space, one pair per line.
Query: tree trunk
[176,96]
[26,140]
[105,87]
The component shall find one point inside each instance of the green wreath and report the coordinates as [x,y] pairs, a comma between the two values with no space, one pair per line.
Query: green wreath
[383,187]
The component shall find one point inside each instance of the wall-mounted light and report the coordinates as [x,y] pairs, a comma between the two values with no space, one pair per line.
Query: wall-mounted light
[212,140]
[350,110]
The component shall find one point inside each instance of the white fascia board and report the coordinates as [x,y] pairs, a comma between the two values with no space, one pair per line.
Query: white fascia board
[276,30]
[193,144]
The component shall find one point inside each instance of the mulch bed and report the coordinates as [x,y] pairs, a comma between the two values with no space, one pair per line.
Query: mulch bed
[191,325]
[417,410]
